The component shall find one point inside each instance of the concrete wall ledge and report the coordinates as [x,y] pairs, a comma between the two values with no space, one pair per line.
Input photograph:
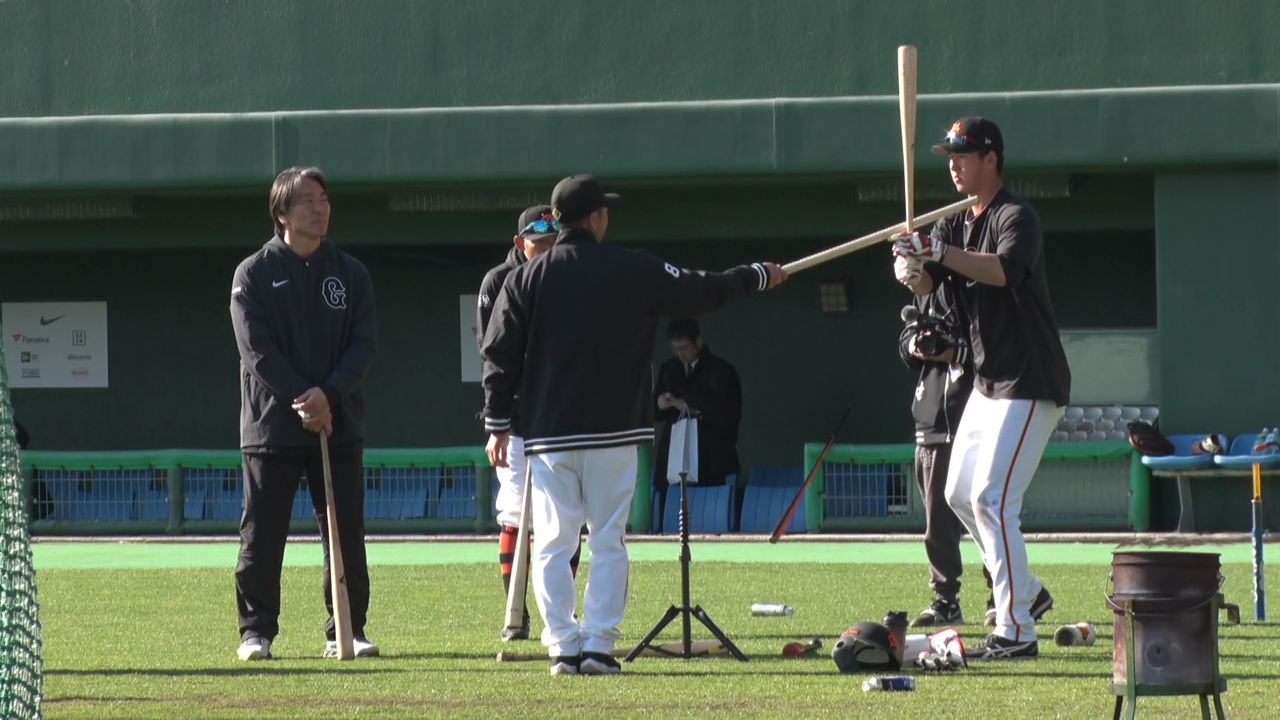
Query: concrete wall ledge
[1118,130]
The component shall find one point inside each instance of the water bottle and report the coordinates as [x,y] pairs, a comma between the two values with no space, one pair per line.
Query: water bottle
[1080,634]
[771,609]
[892,683]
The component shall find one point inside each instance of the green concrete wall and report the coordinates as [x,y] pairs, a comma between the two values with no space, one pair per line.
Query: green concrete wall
[1216,263]
[1216,268]
[75,57]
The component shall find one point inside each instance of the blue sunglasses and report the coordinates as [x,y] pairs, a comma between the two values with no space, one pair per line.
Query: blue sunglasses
[541,227]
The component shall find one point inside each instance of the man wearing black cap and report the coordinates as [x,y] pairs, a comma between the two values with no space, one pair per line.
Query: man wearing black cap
[995,255]
[572,335]
[535,233]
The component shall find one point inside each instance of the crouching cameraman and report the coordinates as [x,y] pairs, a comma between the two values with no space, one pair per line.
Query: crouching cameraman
[934,341]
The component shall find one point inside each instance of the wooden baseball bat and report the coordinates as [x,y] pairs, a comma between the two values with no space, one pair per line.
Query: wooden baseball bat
[671,649]
[865,241]
[781,528]
[907,115]
[337,571]
[1259,577]
[518,588]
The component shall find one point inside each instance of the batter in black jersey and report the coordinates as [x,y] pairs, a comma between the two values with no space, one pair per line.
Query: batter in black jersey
[995,256]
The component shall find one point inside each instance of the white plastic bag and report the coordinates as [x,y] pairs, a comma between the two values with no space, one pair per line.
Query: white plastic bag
[683,453]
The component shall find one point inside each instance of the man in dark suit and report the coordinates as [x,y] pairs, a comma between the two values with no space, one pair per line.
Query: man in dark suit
[707,386]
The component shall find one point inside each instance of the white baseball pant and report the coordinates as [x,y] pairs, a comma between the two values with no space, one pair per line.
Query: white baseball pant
[572,488]
[511,481]
[996,451]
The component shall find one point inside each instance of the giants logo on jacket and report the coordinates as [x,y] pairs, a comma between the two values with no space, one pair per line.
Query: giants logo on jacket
[334,293]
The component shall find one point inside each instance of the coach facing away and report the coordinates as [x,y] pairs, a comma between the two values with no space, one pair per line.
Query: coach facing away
[572,335]
[303,315]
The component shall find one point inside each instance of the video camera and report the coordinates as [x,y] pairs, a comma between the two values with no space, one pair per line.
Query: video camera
[932,336]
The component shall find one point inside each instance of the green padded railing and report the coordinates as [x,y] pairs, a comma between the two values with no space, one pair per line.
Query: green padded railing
[151,491]
[117,492]
[1078,486]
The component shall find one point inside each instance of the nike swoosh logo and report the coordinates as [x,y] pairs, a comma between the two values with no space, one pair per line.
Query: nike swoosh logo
[278,283]
[49,321]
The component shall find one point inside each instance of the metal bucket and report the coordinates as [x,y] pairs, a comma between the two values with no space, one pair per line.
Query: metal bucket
[1169,599]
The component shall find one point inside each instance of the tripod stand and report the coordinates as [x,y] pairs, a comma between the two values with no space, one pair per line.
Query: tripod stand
[684,610]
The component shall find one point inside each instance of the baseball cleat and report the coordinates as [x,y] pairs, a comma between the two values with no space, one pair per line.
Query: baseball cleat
[940,612]
[1042,604]
[515,633]
[594,663]
[565,664]
[990,620]
[254,648]
[994,647]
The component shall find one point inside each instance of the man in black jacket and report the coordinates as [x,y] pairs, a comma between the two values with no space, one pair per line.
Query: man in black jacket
[303,315]
[536,232]
[572,334]
[706,387]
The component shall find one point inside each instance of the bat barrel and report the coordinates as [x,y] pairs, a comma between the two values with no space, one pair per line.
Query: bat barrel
[871,239]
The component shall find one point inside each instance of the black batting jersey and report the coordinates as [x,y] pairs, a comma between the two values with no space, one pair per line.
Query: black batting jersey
[1017,353]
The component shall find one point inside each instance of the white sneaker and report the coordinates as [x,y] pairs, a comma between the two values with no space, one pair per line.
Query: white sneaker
[254,648]
[363,648]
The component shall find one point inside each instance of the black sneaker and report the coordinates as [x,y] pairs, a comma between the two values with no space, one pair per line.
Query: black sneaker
[594,663]
[565,664]
[940,612]
[1042,604]
[515,633]
[994,647]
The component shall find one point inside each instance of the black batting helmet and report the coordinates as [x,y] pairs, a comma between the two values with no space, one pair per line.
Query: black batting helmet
[866,646]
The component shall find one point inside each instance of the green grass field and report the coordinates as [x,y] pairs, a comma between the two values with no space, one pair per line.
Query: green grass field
[149,631]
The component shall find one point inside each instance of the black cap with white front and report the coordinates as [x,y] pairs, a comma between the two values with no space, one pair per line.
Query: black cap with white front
[971,134]
[577,196]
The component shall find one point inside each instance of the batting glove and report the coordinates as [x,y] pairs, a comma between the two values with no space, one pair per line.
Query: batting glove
[907,269]
[921,247]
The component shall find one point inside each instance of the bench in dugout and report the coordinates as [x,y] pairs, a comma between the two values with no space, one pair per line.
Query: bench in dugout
[1185,466]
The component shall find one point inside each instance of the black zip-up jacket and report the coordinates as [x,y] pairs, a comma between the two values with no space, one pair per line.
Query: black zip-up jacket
[943,388]
[490,286]
[301,323]
[572,334]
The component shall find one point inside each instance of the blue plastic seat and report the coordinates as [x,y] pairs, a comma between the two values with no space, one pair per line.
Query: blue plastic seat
[302,507]
[153,505]
[65,490]
[1182,465]
[710,508]
[763,506]
[1181,460]
[1241,457]
[457,497]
